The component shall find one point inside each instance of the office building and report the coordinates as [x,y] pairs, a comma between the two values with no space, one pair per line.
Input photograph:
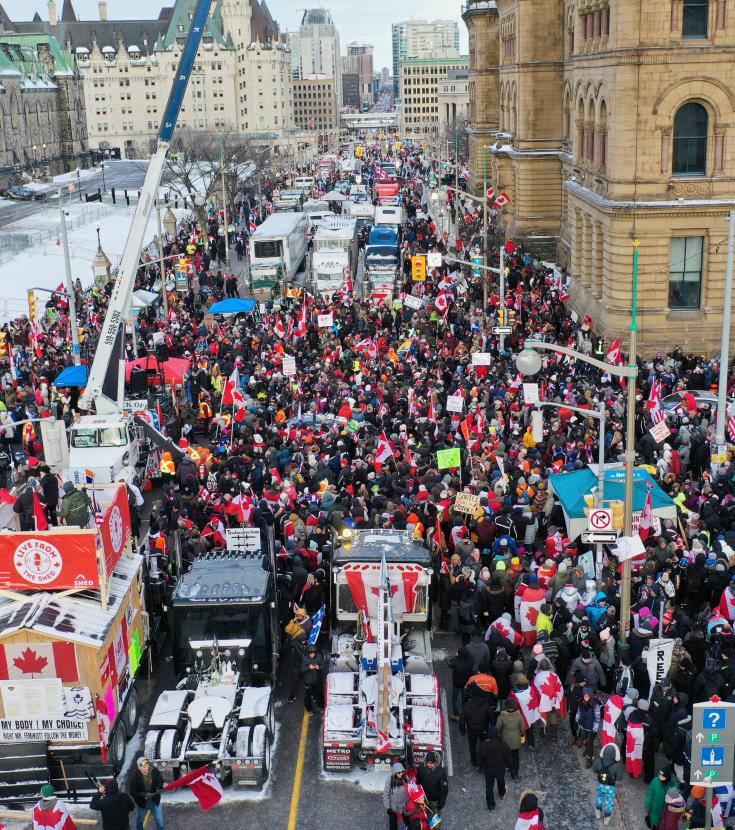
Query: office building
[359,59]
[351,90]
[319,49]
[315,104]
[420,79]
[422,39]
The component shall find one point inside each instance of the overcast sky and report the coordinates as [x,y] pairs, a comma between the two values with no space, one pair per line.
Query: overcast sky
[366,22]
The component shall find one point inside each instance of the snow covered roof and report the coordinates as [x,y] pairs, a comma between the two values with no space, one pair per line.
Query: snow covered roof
[78,618]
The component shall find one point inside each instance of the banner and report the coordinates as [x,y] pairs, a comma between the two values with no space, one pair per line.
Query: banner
[28,661]
[658,660]
[49,560]
[115,528]
[445,459]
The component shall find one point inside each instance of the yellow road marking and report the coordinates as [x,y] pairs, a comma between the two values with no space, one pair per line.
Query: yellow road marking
[299,773]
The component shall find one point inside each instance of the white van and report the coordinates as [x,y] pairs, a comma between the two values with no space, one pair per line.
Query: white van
[388,215]
[305,183]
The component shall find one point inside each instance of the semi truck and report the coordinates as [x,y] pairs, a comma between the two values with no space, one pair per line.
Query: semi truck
[277,252]
[225,633]
[382,261]
[335,254]
[382,700]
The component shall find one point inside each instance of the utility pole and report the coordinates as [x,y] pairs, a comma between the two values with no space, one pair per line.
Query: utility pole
[725,345]
[501,283]
[162,263]
[224,198]
[484,229]
[75,347]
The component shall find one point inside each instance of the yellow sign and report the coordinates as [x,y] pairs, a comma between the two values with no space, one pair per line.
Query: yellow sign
[466,503]
[398,146]
[418,268]
[358,152]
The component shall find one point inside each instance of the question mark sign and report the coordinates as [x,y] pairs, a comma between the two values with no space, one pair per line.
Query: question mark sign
[714,719]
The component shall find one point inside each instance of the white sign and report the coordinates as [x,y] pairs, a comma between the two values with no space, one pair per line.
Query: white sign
[599,518]
[289,366]
[243,538]
[658,660]
[135,406]
[413,302]
[455,403]
[655,524]
[40,698]
[530,393]
[433,259]
[481,358]
[18,730]
[629,546]
[660,432]
[324,321]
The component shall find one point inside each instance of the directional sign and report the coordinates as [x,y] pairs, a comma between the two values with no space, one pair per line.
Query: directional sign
[502,330]
[599,519]
[593,537]
[713,737]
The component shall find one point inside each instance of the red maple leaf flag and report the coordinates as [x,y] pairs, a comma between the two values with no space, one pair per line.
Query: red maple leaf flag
[39,513]
[612,712]
[528,705]
[30,662]
[384,451]
[530,604]
[232,393]
[203,783]
[644,528]
[551,692]
[55,818]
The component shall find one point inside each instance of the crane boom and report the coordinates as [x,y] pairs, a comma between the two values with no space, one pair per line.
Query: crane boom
[122,292]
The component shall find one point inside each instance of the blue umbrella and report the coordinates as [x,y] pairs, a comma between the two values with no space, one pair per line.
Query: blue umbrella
[232,306]
[73,376]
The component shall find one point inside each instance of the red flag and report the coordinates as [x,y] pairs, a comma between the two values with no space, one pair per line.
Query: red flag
[203,783]
[232,394]
[54,818]
[644,528]
[39,513]
[501,201]
[439,538]
[278,328]
[551,693]
[384,452]
[613,353]
[6,497]
[464,428]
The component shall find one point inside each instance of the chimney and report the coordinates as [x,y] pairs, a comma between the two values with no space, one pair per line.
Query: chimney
[53,14]
[102,6]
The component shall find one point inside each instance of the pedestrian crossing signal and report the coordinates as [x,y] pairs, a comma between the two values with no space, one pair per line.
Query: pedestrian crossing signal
[31,305]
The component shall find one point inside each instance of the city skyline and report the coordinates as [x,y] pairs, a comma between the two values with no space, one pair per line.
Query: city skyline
[375,28]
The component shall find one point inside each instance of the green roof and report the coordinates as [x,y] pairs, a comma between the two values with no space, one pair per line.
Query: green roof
[458,59]
[180,21]
[19,56]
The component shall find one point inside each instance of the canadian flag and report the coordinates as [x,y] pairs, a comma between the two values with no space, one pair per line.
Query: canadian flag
[531,601]
[653,404]
[203,783]
[644,528]
[384,451]
[501,201]
[368,346]
[441,302]
[528,821]
[55,818]
[39,513]
[613,353]
[611,713]
[634,736]
[383,744]
[279,328]
[505,629]
[551,692]
[232,394]
[727,605]
[241,507]
[528,705]
[299,329]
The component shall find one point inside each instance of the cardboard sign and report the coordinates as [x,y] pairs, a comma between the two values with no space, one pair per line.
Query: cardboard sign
[481,358]
[660,432]
[413,302]
[289,366]
[40,698]
[466,503]
[325,321]
[455,403]
[115,528]
[530,393]
[49,560]
[655,524]
[243,538]
[446,459]
[42,729]
[434,259]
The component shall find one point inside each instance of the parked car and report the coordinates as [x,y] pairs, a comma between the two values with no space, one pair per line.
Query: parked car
[673,401]
[23,194]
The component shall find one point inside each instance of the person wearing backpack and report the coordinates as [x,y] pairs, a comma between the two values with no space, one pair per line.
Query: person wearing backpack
[74,506]
[607,769]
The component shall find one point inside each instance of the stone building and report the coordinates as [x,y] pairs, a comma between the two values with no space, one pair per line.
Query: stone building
[453,98]
[241,79]
[419,83]
[609,121]
[315,104]
[43,128]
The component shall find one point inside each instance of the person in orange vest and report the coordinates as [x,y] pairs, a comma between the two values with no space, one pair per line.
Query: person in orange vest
[167,468]
[205,410]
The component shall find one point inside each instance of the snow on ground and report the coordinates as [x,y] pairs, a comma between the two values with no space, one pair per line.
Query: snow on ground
[72,178]
[43,265]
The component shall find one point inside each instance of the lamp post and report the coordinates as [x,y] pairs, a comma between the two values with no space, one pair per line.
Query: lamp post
[79,182]
[100,264]
[104,186]
[162,265]
[75,347]
[528,362]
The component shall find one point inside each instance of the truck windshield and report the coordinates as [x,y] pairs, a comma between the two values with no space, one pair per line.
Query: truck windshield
[268,248]
[85,438]
[380,253]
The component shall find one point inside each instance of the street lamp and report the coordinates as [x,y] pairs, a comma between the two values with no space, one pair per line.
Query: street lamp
[79,182]
[528,362]
[104,187]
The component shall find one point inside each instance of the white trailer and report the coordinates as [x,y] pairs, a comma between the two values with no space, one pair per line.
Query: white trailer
[335,251]
[277,251]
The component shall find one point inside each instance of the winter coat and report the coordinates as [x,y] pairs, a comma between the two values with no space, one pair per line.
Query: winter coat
[138,790]
[479,653]
[588,714]
[671,818]
[75,508]
[395,796]
[461,666]
[313,677]
[607,764]
[594,677]
[501,671]
[114,806]
[435,784]
[511,728]
[493,756]
[475,715]
[571,597]
[656,799]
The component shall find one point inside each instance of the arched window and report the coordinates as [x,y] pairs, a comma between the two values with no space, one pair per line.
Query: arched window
[696,14]
[690,141]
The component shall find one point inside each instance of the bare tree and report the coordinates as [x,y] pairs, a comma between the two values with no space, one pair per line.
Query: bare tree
[195,165]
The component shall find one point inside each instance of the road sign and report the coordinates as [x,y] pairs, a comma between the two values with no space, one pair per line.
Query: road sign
[594,537]
[713,740]
[502,329]
[599,519]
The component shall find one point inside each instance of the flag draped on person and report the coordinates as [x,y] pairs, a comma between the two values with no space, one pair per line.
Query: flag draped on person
[634,736]
[611,713]
[550,691]
[644,528]
[53,817]
[203,783]
[530,820]
[528,705]
[232,394]
[653,404]
[384,451]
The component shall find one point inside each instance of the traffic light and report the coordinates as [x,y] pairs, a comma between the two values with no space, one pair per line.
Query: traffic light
[617,508]
[501,316]
[511,317]
[31,305]
[3,344]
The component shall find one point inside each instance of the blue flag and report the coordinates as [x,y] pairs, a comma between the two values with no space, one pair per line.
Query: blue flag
[316,627]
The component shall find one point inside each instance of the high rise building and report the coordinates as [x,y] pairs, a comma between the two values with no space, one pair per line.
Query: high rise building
[351,90]
[319,48]
[359,59]
[422,39]
[420,79]
[315,104]
[384,75]
[241,80]
[610,124]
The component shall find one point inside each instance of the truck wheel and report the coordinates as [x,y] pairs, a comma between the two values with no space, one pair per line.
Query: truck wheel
[117,747]
[267,758]
[130,714]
